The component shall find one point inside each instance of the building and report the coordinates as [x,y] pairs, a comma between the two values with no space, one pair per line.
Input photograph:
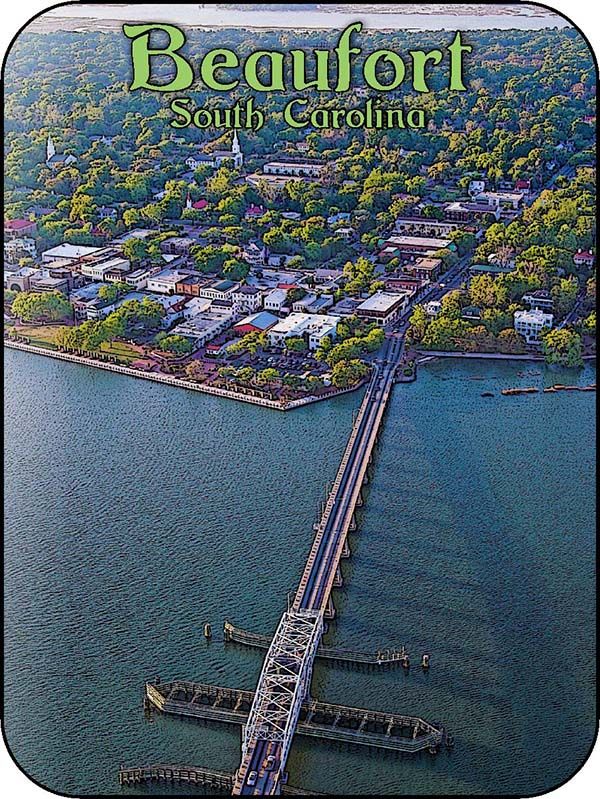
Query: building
[190,285]
[492,269]
[246,299]
[68,252]
[403,282]
[103,264]
[501,199]
[410,247]
[476,187]
[255,253]
[54,160]
[313,328]
[530,324]
[17,228]
[219,290]
[216,158]
[425,268]
[383,307]
[255,323]
[471,313]
[139,278]
[254,212]
[21,279]
[298,169]
[433,307]
[468,211]
[177,245]
[275,300]
[203,327]
[539,300]
[424,226]
[166,281]
[584,258]
[15,249]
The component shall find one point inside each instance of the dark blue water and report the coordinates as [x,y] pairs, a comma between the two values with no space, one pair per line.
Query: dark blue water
[137,512]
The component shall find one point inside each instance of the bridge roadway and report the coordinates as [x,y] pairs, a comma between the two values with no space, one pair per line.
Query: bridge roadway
[284,682]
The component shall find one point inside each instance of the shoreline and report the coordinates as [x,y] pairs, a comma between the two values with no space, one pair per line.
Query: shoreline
[425,356]
[176,381]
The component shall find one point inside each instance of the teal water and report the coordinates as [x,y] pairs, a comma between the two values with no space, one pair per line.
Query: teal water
[136,512]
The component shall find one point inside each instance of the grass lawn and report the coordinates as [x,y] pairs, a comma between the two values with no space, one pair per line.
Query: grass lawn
[45,336]
[38,335]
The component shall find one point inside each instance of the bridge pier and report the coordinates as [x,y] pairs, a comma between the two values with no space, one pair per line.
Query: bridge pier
[329,610]
[338,580]
[346,550]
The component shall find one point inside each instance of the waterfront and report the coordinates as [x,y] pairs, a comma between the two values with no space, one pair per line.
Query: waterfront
[476,545]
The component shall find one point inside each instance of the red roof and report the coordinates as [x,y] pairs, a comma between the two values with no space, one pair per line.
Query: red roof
[287,286]
[17,224]
[200,204]
[256,210]
[583,256]
[523,184]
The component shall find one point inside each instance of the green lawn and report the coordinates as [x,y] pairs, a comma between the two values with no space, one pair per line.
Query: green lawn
[45,336]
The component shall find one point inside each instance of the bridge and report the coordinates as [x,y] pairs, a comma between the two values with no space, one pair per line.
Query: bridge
[284,682]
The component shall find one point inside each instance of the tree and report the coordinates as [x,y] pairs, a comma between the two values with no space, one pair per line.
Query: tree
[418,322]
[562,346]
[52,306]
[135,249]
[178,345]
[295,344]
[347,373]
[564,294]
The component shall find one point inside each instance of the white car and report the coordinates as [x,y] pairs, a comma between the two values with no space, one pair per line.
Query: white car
[270,761]
[252,778]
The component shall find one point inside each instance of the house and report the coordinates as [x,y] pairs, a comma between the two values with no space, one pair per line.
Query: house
[583,258]
[320,304]
[337,219]
[492,269]
[301,305]
[15,249]
[476,187]
[523,186]
[254,212]
[530,324]
[433,307]
[275,300]
[471,313]
[255,323]
[383,307]
[328,275]
[539,300]
[83,299]
[313,328]
[425,268]
[18,228]
[246,299]
[345,232]
[255,253]
[177,245]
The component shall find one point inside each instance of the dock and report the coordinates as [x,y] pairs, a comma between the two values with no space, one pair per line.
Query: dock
[191,775]
[353,725]
[380,659]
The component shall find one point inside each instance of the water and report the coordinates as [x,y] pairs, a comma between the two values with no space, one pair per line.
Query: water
[137,512]
[528,17]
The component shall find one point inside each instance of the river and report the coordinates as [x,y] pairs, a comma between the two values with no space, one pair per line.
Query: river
[136,512]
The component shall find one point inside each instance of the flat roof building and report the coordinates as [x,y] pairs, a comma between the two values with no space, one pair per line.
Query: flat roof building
[383,307]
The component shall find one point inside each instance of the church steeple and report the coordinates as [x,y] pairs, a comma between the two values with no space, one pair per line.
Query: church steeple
[238,156]
[50,148]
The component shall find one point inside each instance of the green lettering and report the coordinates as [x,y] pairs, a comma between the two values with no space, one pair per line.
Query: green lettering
[141,54]
[218,59]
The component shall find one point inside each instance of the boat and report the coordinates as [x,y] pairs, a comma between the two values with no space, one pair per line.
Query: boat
[487,393]
[527,390]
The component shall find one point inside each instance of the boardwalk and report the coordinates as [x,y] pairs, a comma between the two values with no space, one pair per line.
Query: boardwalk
[285,678]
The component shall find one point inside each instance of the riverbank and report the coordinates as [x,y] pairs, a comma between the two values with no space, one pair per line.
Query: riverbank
[180,382]
[427,355]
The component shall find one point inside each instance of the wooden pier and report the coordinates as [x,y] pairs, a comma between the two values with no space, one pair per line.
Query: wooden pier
[379,659]
[378,729]
[191,775]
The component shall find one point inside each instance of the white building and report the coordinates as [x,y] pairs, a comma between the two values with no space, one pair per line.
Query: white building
[275,300]
[203,327]
[501,199]
[98,268]
[68,252]
[311,327]
[299,169]
[219,290]
[216,158]
[15,249]
[531,323]
[246,300]
[476,187]
[165,282]
[383,307]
